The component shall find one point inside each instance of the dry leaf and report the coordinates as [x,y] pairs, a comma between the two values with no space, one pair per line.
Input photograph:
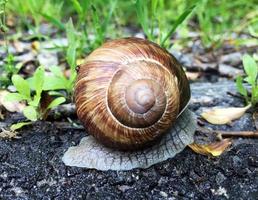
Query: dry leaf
[8,134]
[13,106]
[214,149]
[224,115]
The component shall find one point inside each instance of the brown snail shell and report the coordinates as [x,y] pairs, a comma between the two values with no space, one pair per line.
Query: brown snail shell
[129,92]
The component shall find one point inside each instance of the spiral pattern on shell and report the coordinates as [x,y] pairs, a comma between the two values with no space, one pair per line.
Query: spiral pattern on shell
[129,92]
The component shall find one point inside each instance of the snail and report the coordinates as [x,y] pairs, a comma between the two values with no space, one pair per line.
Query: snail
[131,96]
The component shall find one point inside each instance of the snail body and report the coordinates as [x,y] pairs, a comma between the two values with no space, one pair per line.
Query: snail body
[128,95]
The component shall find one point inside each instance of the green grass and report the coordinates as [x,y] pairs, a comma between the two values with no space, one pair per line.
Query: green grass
[214,20]
[150,18]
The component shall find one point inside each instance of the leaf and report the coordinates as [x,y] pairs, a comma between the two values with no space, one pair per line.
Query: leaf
[224,115]
[214,149]
[19,125]
[14,105]
[71,57]
[70,32]
[39,80]
[10,97]
[179,21]
[55,93]
[21,85]
[251,68]
[240,87]
[77,7]
[97,25]
[56,71]
[30,113]
[56,102]
[110,13]
[72,44]
[54,21]
[54,83]
[142,15]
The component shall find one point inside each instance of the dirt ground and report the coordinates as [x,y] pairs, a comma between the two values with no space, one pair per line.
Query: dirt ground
[31,167]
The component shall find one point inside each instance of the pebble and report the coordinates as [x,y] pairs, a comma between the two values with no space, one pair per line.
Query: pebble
[163,194]
[220,178]
[236,162]
[228,70]
[123,188]
[233,59]
[48,59]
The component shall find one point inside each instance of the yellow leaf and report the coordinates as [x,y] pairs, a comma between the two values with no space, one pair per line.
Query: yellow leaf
[214,149]
[224,115]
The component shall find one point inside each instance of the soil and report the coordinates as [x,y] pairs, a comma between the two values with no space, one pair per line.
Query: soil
[31,167]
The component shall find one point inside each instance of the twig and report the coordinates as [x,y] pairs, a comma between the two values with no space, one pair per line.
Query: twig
[253,134]
[235,95]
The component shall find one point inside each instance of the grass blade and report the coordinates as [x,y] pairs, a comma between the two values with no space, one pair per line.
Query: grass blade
[54,21]
[179,21]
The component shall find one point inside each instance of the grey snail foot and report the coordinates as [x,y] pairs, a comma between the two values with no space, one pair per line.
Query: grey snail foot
[91,154]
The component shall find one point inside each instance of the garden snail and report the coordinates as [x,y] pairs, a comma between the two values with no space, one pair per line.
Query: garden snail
[129,95]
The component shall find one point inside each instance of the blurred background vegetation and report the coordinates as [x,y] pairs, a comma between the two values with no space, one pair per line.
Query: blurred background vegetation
[214,21]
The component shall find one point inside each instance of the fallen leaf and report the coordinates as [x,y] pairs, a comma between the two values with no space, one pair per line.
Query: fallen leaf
[14,106]
[224,115]
[8,134]
[214,148]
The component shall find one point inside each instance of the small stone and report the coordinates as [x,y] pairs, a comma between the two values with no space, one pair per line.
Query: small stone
[123,188]
[221,191]
[220,178]
[230,71]
[233,59]
[48,59]
[236,162]
[139,35]
[163,194]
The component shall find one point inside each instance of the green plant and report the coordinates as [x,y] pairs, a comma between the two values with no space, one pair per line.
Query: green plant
[30,91]
[251,70]
[3,27]
[9,69]
[151,18]
[58,81]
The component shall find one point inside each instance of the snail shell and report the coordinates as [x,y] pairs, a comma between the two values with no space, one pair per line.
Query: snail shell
[129,92]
